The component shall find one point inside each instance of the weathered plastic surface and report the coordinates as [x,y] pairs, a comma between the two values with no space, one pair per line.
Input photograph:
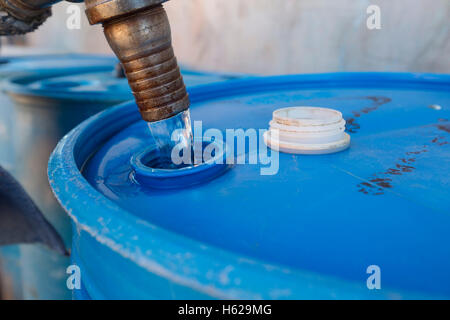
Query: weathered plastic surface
[48,103]
[44,65]
[310,231]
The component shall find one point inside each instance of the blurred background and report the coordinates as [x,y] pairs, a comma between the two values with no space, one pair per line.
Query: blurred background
[278,37]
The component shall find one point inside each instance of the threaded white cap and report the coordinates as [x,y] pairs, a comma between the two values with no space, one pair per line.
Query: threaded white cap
[307,130]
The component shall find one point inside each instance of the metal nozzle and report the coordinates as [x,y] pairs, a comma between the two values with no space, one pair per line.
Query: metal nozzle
[138,32]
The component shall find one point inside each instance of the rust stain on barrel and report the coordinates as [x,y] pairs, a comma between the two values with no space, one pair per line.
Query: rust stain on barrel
[377,185]
[377,101]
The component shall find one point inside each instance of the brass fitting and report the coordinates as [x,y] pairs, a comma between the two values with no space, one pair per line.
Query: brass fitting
[138,32]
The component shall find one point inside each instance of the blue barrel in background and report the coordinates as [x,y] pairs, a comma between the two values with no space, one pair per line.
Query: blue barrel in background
[46,105]
[44,65]
[312,230]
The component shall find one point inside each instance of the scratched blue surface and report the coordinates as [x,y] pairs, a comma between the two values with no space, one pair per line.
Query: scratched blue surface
[309,231]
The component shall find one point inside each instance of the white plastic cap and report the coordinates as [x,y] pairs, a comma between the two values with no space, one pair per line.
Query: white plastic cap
[307,130]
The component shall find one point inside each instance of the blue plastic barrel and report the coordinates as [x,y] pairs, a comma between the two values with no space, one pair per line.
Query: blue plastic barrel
[316,229]
[44,65]
[46,106]
[96,87]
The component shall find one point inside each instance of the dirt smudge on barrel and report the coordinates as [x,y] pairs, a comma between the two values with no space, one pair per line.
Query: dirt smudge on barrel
[377,184]
[444,127]
[377,101]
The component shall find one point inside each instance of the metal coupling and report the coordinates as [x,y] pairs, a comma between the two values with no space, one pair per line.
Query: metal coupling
[138,32]
[23,16]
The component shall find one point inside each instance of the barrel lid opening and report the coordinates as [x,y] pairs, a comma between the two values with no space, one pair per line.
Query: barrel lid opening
[151,169]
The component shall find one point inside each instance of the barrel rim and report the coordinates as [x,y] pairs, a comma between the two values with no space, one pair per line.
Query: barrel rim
[18,85]
[18,64]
